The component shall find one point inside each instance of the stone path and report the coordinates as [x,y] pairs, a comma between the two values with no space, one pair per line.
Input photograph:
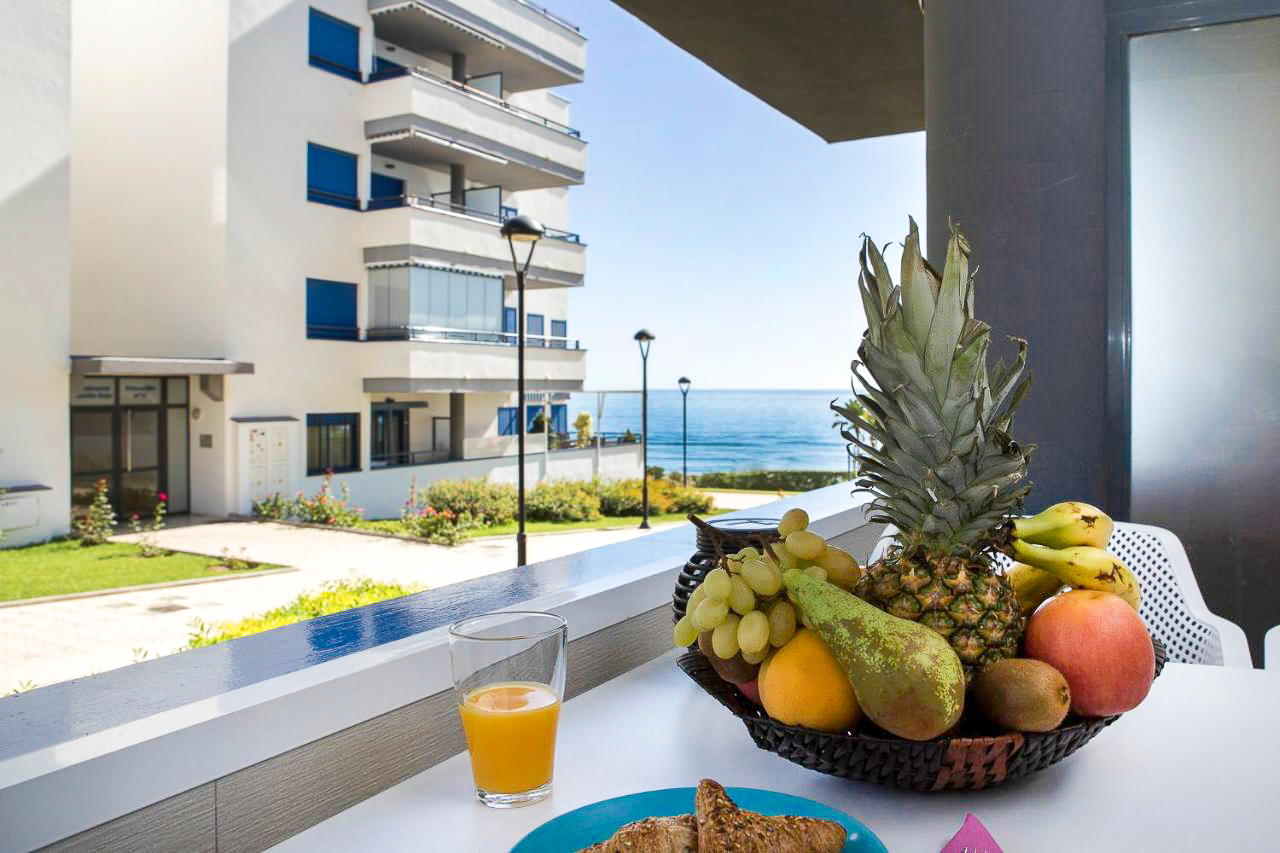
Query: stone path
[55,641]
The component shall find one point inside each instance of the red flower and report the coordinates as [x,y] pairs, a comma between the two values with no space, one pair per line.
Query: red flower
[162,497]
[133,517]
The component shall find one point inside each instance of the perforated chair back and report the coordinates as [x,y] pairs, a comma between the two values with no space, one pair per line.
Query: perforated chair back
[1172,605]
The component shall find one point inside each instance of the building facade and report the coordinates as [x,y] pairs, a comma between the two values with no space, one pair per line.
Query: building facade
[286,258]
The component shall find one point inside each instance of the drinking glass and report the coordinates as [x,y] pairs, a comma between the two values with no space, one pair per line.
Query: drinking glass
[508,676]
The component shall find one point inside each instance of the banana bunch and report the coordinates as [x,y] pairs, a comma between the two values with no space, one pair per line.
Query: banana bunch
[1063,545]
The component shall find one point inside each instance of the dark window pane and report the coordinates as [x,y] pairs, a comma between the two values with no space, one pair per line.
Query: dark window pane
[90,441]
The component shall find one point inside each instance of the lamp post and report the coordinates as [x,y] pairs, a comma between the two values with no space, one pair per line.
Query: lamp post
[521,229]
[644,338]
[684,384]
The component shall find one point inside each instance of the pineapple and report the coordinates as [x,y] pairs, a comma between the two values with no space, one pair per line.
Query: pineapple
[940,462]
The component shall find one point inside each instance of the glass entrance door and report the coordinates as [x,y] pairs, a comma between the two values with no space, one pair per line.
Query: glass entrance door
[140,462]
[131,433]
[1204,128]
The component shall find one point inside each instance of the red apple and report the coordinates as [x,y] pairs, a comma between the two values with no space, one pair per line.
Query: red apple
[750,690]
[1100,645]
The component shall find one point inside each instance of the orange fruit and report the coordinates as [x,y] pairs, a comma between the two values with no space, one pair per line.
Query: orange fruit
[802,684]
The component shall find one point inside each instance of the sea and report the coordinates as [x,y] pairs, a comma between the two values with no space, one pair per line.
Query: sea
[729,430]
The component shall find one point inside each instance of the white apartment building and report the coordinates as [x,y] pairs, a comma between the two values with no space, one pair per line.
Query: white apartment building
[286,259]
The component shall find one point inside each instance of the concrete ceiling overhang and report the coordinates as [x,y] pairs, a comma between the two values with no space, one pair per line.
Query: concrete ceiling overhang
[845,69]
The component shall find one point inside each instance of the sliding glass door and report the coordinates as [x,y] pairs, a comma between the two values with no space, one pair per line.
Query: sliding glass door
[1204,167]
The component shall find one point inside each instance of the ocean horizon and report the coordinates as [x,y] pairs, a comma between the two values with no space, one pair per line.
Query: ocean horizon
[729,430]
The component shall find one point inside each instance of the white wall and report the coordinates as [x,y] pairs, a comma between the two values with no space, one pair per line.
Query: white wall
[35,283]
[148,183]
[382,493]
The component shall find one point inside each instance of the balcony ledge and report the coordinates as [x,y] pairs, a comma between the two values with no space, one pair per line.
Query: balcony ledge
[84,752]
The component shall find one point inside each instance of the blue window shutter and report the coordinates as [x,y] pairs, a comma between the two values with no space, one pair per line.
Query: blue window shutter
[509,320]
[384,69]
[559,329]
[560,418]
[331,177]
[533,324]
[331,310]
[384,191]
[334,45]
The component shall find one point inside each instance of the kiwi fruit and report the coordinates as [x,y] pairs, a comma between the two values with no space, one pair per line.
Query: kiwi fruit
[1022,694]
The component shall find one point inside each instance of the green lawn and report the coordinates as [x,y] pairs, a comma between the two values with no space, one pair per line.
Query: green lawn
[394,526]
[65,566]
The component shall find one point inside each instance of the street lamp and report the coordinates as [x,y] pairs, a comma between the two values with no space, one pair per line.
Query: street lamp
[521,229]
[644,337]
[684,384]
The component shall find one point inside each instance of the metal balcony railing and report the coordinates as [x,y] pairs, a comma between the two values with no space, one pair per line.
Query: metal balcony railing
[470,91]
[472,336]
[401,458]
[443,201]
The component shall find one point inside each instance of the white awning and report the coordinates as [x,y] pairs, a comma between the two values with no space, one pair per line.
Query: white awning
[122,365]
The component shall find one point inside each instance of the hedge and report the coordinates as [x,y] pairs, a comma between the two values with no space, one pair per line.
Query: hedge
[770,481]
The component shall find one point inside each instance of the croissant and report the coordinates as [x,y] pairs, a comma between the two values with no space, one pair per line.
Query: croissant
[653,835]
[724,827]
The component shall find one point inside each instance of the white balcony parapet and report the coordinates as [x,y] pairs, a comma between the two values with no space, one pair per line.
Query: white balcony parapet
[428,234]
[422,119]
[531,46]
[428,366]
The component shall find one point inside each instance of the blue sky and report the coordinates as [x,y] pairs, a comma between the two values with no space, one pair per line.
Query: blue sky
[721,225]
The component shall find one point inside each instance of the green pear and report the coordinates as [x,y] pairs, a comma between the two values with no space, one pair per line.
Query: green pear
[906,676]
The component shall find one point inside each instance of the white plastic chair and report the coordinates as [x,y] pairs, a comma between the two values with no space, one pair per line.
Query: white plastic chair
[1172,605]
[1271,649]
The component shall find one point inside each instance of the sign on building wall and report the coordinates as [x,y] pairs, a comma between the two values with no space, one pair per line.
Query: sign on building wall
[92,391]
[139,392]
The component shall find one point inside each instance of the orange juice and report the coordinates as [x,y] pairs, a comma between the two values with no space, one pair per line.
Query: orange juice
[511,733]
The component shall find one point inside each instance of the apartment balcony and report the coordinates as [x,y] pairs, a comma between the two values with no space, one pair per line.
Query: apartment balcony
[426,231]
[529,45]
[430,121]
[419,360]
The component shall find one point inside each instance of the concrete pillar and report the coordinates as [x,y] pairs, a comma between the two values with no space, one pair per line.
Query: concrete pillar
[460,68]
[458,185]
[457,424]
[1015,143]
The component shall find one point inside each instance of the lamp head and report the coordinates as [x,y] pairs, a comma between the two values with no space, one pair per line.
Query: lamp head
[684,384]
[643,335]
[523,229]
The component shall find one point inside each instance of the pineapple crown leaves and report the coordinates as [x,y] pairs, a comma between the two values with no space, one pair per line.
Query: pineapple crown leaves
[940,459]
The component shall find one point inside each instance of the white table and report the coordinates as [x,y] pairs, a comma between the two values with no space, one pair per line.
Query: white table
[1194,768]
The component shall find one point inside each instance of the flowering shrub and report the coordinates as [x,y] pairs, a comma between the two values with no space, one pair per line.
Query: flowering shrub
[324,507]
[563,500]
[146,535]
[485,502]
[274,507]
[626,497]
[441,526]
[100,521]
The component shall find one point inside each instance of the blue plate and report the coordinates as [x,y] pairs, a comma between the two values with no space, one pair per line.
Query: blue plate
[572,831]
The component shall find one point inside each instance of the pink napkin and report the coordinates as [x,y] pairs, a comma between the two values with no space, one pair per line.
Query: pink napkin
[974,837]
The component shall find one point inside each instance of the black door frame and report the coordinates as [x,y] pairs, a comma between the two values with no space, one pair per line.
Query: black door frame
[1126,19]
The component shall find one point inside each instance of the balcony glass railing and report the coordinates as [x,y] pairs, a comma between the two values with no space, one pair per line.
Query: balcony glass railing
[471,336]
[443,201]
[391,72]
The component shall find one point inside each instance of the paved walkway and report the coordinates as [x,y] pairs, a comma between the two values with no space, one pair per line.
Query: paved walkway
[55,641]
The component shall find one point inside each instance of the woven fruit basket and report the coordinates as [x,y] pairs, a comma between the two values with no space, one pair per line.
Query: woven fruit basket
[975,757]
